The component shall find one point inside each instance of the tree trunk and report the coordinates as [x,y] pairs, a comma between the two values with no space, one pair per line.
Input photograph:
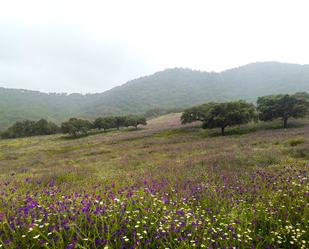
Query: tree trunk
[222,131]
[285,123]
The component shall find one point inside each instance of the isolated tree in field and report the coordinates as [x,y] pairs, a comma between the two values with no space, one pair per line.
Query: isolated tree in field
[283,106]
[104,123]
[220,115]
[135,121]
[75,126]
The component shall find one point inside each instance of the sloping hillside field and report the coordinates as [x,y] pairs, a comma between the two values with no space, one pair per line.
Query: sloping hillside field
[163,186]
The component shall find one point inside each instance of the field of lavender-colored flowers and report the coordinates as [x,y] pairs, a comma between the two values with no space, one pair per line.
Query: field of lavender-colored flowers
[165,186]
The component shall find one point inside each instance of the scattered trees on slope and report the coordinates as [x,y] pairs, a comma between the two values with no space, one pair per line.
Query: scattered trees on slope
[74,126]
[212,115]
[78,127]
[283,106]
[220,115]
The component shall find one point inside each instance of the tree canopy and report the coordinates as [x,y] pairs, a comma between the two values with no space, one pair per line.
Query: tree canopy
[119,121]
[104,123]
[30,128]
[196,113]
[283,106]
[134,121]
[76,126]
[220,115]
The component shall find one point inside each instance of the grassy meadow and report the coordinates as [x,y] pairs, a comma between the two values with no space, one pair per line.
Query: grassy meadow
[162,186]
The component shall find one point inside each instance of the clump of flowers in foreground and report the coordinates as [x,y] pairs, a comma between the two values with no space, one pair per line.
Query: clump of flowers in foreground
[266,208]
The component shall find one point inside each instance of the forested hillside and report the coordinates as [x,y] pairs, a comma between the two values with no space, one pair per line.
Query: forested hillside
[171,88]
[17,104]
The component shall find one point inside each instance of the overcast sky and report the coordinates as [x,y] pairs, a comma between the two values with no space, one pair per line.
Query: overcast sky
[92,46]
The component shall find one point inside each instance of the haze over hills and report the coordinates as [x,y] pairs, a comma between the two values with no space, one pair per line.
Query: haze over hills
[171,88]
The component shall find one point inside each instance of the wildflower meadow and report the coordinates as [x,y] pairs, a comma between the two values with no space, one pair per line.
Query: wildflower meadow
[253,193]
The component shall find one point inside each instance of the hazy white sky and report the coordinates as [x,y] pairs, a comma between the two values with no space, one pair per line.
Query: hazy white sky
[91,46]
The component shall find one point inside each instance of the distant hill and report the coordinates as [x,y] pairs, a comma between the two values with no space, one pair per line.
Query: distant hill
[171,88]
